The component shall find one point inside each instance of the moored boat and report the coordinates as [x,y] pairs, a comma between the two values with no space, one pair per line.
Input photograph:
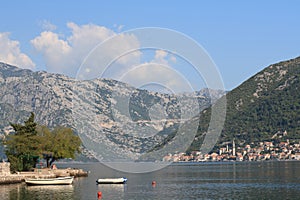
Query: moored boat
[67,180]
[111,180]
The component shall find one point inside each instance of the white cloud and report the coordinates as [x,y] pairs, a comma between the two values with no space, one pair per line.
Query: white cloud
[47,25]
[118,27]
[173,59]
[160,54]
[88,35]
[112,58]
[10,53]
[84,44]
[156,74]
[151,75]
[93,51]
[55,51]
[163,57]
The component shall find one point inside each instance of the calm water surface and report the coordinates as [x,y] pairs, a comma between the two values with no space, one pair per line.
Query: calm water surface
[246,180]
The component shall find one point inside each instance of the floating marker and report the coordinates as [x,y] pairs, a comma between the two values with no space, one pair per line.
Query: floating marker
[99,194]
[153,183]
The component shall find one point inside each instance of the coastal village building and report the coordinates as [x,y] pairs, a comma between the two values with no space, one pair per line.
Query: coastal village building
[263,151]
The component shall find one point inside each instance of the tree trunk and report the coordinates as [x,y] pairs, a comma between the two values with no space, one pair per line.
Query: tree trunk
[48,164]
[52,160]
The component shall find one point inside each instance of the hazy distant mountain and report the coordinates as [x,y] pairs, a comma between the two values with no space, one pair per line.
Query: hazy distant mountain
[265,104]
[105,112]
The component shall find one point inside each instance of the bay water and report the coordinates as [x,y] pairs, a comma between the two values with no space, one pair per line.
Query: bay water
[209,180]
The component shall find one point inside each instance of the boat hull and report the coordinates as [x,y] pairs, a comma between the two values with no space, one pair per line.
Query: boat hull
[111,180]
[50,181]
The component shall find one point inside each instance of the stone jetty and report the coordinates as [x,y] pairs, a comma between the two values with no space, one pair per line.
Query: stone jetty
[7,178]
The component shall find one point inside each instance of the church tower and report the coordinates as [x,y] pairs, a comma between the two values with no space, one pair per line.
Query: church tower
[233,148]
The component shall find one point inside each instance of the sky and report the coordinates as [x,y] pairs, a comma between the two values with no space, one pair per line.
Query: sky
[167,45]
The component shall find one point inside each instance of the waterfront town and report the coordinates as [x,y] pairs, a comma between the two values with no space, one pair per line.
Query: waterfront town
[261,151]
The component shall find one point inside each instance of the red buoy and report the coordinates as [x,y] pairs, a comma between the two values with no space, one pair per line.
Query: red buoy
[153,183]
[99,195]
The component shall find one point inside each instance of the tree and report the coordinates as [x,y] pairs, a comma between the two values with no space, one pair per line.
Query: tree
[58,144]
[32,141]
[22,147]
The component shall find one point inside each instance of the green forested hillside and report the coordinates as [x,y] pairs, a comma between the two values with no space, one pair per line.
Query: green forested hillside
[262,106]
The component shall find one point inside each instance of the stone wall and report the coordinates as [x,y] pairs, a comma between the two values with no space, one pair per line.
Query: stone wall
[4,168]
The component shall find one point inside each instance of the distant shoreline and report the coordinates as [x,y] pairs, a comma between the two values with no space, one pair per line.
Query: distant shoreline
[187,162]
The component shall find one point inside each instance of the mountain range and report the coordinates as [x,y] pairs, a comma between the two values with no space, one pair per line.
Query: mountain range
[117,121]
[114,119]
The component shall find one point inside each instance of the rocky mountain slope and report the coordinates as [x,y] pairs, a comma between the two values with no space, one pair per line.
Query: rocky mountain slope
[266,104]
[114,120]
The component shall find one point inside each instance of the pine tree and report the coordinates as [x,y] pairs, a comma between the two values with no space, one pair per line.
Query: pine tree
[22,147]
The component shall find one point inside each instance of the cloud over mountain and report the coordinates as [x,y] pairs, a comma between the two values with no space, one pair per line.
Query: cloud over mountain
[90,51]
[66,54]
[10,52]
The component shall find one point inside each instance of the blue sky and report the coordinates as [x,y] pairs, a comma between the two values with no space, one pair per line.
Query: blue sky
[240,37]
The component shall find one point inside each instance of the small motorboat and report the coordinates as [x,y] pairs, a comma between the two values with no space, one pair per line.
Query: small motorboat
[111,180]
[67,180]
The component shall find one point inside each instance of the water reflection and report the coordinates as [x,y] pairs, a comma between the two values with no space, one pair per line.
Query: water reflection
[49,192]
[23,192]
[112,191]
[7,190]
[51,188]
[112,187]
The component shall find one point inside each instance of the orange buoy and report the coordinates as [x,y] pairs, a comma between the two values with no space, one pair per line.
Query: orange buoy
[99,194]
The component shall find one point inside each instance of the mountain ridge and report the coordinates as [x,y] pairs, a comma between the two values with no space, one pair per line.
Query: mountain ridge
[266,103]
[104,112]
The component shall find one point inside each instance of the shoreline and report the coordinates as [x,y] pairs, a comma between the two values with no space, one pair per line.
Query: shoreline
[229,162]
[19,177]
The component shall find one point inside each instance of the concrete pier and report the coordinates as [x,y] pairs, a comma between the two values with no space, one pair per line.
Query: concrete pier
[11,179]
[7,178]
[61,172]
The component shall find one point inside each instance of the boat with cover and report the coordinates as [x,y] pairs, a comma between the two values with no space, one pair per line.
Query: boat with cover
[111,180]
[67,180]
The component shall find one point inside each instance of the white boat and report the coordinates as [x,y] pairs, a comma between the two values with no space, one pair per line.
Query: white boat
[67,180]
[111,180]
